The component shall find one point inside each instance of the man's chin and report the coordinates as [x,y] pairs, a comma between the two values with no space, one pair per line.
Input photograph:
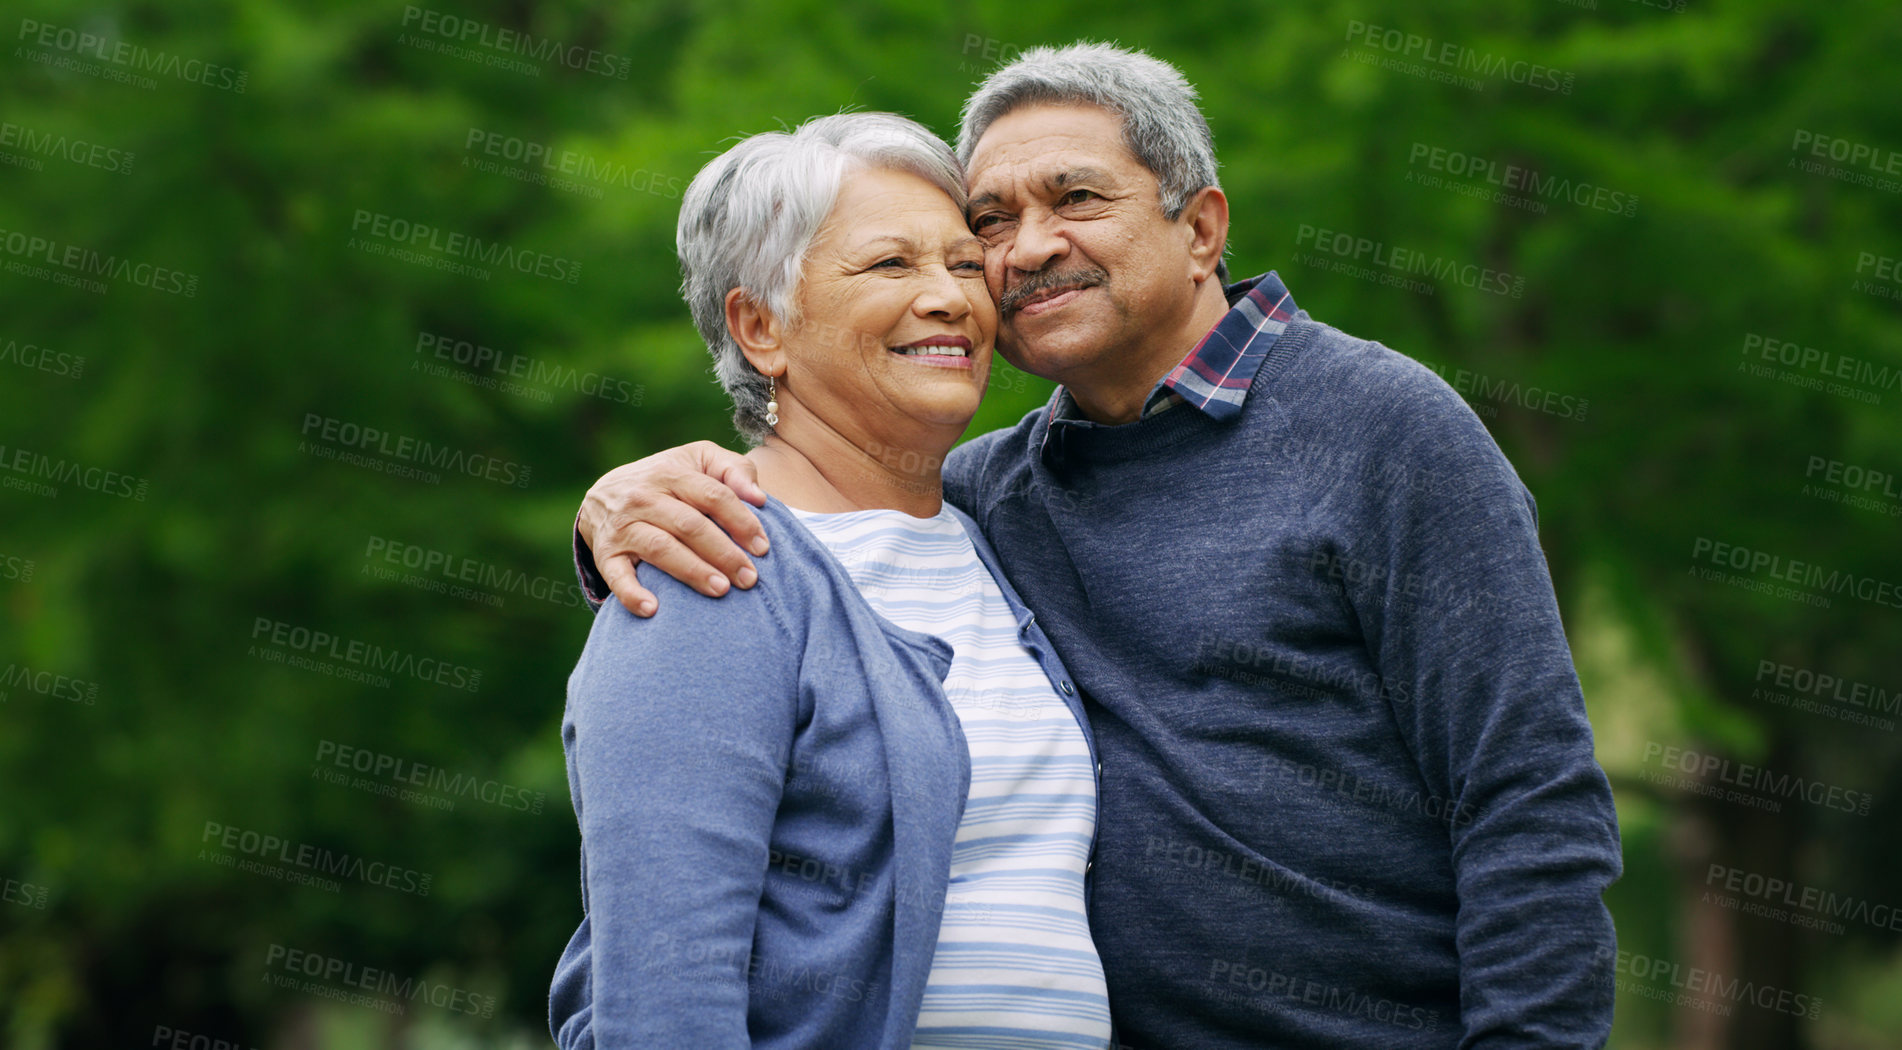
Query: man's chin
[1044,351]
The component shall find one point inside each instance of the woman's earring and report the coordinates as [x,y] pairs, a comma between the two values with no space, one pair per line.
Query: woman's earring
[772,402]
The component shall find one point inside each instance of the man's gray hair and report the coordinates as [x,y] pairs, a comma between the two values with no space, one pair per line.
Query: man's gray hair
[1162,126]
[750,216]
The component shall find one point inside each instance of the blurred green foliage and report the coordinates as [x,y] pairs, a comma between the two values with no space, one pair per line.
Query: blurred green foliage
[360,117]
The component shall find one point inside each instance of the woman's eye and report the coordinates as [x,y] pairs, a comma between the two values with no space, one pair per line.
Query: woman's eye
[970,266]
[892,263]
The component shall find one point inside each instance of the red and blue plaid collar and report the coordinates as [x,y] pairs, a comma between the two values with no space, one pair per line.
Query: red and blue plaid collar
[1216,375]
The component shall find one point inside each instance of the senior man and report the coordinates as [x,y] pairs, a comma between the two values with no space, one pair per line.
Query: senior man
[1347,789]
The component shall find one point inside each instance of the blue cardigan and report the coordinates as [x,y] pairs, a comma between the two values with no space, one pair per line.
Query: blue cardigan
[768,786]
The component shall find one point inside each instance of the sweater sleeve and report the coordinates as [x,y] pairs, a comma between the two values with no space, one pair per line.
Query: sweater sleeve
[1459,614]
[964,472]
[679,733]
[594,587]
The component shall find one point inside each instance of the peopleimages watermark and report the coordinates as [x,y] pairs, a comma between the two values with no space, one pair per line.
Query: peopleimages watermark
[459,36]
[1862,380]
[1231,975]
[1782,570]
[77,267]
[1752,785]
[462,577]
[29,471]
[351,659]
[1372,583]
[1695,988]
[48,683]
[487,367]
[168,1038]
[544,165]
[1809,151]
[1397,801]
[405,240]
[1316,456]
[1402,264]
[349,982]
[1886,271]
[42,359]
[400,455]
[14,568]
[1483,394]
[1246,870]
[1823,906]
[1447,62]
[1802,689]
[1253,661]
[985,53]
[1656,5]
[818,772]
[402,774]
[37,144]
[672,958]
[23,894]
[301,862]
[1504,183]
[123,61]
[1851,485]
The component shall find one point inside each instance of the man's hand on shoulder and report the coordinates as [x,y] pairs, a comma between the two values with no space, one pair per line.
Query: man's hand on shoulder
[681,512]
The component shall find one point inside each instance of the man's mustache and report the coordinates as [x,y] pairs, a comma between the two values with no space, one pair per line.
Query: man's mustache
[1040,281]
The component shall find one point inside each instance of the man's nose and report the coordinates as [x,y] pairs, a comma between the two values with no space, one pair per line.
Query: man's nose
[1038,243]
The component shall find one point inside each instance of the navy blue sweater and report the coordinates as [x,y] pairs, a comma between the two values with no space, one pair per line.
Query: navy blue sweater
[1348,796]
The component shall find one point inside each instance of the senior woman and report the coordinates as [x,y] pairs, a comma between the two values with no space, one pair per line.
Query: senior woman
[853,805]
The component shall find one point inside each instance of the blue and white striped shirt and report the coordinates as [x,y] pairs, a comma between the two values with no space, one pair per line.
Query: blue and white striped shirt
[1015,966]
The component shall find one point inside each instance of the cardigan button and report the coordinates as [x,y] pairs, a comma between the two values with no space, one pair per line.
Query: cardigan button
[1065,685]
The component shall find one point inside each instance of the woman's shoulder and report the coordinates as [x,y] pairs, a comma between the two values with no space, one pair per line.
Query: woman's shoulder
[794,579]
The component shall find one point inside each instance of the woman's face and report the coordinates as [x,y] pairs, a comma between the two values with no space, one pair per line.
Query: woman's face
[893,348]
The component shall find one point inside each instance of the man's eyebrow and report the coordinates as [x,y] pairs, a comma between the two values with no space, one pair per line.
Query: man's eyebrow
[1055,180]
[1070,175]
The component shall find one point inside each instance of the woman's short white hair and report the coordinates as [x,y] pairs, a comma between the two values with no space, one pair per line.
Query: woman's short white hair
[750,215]
[1162,125]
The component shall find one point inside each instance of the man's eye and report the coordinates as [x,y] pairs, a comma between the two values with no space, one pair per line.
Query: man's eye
[1076,197]
[986,221]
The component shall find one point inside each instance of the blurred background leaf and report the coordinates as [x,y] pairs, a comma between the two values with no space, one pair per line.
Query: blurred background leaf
[173,505]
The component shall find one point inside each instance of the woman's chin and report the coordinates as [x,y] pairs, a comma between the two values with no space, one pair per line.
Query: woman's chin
[932,405]
[952,412]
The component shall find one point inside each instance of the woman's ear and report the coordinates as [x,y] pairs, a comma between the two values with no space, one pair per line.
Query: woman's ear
[757,332]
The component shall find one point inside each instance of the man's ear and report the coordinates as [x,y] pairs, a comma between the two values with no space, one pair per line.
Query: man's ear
[1206,220]
[757,332]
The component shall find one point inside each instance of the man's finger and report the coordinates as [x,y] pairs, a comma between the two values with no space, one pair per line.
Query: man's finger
[618,571]
[711,512]
[743,478]
[669,555]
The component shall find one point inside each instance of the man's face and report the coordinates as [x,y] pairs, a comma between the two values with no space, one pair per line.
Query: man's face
[1076,250]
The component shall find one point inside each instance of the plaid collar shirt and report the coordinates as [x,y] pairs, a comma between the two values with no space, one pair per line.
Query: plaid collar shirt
[1215,376]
